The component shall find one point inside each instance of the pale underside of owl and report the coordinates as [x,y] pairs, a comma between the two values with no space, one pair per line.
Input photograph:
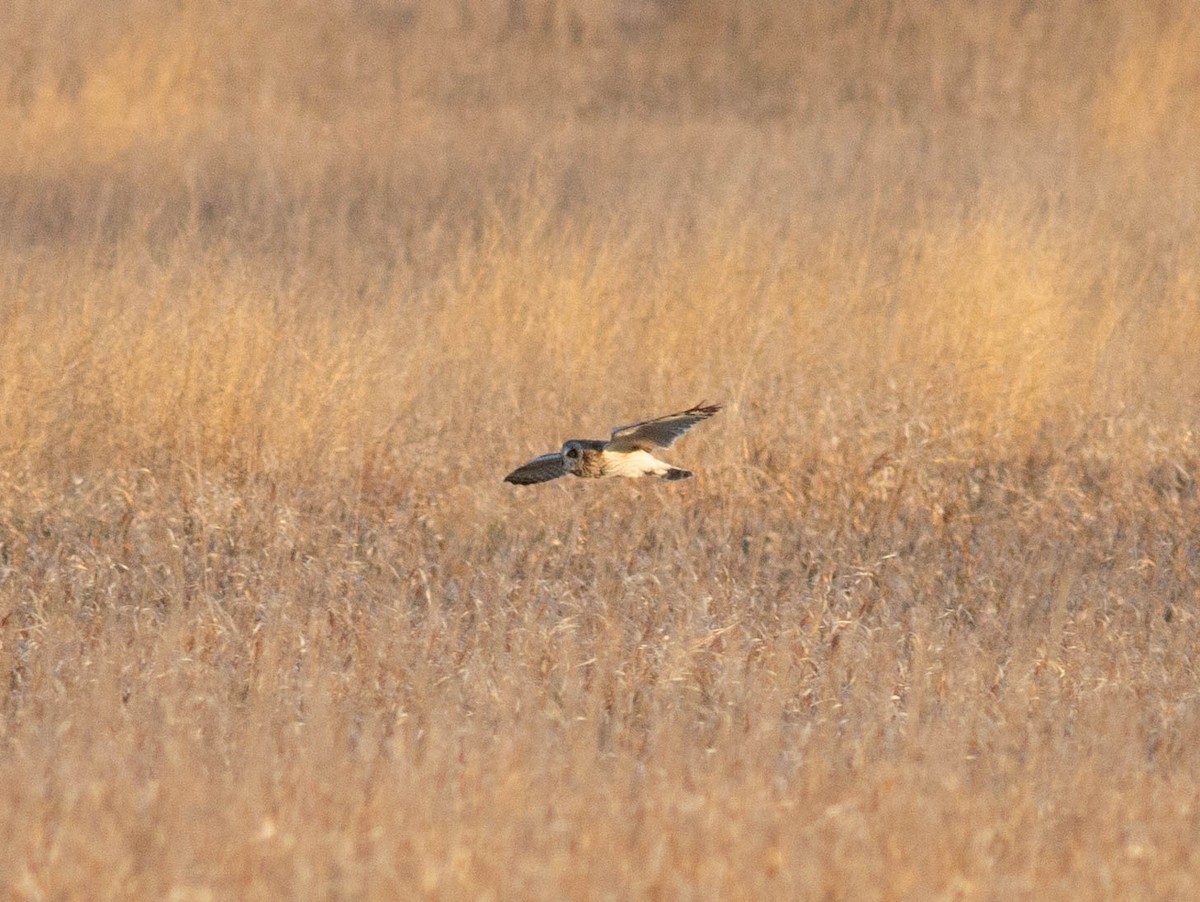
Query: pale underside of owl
[628,451]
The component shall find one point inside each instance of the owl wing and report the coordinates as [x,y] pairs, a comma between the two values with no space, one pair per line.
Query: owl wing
[540,469]
[660,432]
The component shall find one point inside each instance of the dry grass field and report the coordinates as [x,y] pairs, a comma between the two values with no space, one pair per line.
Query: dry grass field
[286,289]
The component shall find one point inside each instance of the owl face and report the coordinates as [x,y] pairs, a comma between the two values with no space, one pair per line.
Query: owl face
[572,453]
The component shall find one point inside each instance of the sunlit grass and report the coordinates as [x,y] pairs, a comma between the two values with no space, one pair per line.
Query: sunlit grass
[282,301]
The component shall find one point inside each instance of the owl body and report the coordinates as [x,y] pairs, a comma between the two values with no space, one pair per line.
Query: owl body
[626,453]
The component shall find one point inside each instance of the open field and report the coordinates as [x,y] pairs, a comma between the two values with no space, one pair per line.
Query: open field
[285,293]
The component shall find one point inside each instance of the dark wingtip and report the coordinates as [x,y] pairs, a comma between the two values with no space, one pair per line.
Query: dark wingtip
[706,409]
[521,479]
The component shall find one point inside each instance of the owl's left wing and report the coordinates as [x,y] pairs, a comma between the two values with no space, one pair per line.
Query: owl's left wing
[540,469]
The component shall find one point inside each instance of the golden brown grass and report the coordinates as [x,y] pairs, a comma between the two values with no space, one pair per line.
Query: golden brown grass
[283,295]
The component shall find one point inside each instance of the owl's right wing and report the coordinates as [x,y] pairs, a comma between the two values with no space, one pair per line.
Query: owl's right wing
[540,469]
[660,432]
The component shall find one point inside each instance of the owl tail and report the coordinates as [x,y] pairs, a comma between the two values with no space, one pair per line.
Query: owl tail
[675,473]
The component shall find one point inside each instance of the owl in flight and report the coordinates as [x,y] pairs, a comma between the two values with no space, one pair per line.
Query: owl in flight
[626,453]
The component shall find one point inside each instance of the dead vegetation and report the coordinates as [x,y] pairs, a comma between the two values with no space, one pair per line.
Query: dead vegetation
[283,296]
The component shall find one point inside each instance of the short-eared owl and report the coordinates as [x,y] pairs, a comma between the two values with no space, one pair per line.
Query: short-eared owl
[626,453]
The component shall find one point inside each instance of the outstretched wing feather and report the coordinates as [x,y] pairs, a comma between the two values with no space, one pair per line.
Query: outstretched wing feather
[661,432]
[540,469]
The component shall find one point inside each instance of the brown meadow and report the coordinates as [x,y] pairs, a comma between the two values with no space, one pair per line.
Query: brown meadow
[285,292]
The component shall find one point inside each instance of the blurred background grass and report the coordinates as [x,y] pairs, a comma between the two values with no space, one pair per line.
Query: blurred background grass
[285,291]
